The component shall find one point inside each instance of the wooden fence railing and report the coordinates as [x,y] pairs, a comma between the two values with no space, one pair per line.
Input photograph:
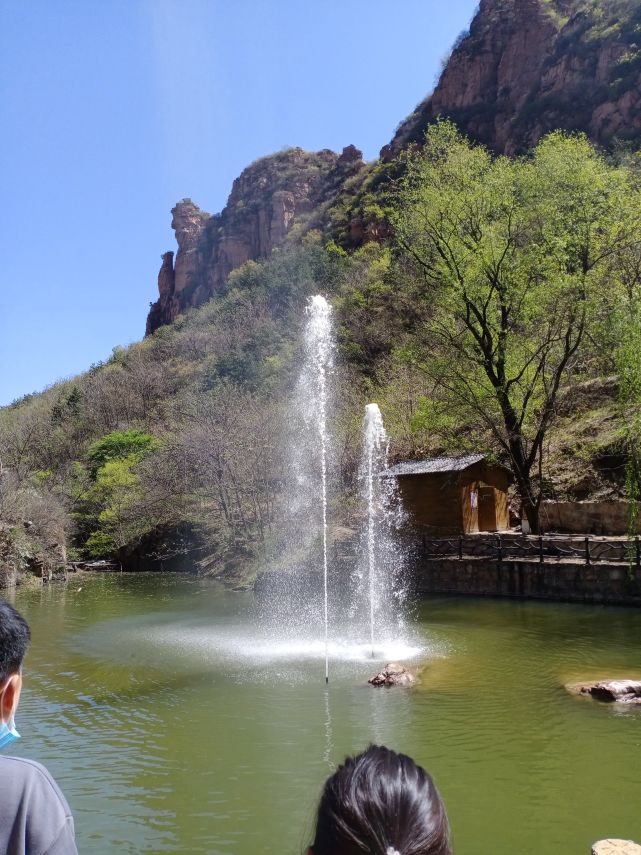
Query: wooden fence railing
[501,547]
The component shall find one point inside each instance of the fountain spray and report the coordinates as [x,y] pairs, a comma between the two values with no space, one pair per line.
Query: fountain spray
[318,340]
[374,461]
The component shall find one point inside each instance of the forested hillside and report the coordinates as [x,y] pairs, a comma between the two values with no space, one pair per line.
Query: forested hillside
[511,291]
[485,302]
[524,68]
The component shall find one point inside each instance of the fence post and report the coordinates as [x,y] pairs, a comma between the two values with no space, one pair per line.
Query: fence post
[460,548]
[500,548]
[541,548]
[587,550]
[637,549]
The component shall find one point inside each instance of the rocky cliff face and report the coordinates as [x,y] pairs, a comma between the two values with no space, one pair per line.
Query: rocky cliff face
[527,67]
[265,201]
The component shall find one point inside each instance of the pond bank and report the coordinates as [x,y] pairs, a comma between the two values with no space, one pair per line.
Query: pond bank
[602,582]
[563,580]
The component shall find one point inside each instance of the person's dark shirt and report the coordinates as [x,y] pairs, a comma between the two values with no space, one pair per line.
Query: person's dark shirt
[34,815]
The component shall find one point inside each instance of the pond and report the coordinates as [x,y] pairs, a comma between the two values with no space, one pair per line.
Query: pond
[172,728]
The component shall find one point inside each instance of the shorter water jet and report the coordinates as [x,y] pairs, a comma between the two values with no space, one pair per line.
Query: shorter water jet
[379,576]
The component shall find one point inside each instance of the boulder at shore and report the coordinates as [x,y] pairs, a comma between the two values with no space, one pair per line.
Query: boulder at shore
[616,847]
[621,691]
[393,674]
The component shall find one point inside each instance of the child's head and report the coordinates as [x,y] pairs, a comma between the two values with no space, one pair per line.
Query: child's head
[381,803]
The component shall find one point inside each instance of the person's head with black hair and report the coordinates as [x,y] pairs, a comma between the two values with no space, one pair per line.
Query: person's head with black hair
[34,814]
[14,640]
[380,803]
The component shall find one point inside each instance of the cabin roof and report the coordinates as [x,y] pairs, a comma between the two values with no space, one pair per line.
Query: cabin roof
[433,465]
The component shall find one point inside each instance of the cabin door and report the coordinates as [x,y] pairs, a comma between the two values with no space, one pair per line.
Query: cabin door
[487,509]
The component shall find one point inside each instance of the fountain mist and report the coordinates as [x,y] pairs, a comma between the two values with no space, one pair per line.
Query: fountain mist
[320,595]
[383,570]
[318,341]
[298,606]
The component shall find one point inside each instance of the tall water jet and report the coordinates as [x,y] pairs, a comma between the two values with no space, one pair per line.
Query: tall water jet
[313,595]
[383,570]
[319,347]
[375,448]
[296,588]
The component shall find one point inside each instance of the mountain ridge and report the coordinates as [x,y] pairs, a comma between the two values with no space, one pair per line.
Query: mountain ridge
[265,200]
[524,68]
[527,67]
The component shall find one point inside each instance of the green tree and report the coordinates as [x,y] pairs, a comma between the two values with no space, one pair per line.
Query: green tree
[627,340]
[116,495]
[114,509]
[133,444]
[518,261]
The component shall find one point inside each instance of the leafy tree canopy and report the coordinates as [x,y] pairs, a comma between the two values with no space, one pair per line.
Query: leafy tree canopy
[520,259]
[133,444]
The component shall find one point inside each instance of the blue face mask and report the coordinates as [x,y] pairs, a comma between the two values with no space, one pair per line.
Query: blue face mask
[8,733]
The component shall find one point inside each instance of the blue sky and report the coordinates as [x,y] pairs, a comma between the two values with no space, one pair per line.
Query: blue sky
[115,109]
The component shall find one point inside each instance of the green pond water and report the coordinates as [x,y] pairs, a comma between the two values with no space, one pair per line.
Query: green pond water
[172,727]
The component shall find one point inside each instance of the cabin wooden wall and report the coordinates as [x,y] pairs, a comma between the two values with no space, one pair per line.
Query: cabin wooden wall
[478,478]
[433,502]
[444,504]
[469,493]
[502,510]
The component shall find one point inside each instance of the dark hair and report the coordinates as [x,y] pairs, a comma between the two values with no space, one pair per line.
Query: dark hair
[14,639]
[381,800]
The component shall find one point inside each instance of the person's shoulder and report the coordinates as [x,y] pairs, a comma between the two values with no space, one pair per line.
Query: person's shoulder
[23,767]
[34,815]
[29,774]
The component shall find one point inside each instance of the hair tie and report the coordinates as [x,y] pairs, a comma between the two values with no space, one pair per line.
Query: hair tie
[391,851]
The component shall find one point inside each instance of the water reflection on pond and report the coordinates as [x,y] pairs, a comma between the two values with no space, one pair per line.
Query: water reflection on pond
[173,727]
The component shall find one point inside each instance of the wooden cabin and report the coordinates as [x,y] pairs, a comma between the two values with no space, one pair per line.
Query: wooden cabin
[446,496]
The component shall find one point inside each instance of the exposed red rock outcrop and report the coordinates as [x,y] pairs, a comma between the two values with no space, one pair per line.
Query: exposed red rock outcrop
[264,202]
[165,305]
[526,67]
[530,66]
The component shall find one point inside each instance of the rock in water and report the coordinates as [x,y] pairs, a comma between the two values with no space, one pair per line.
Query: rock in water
[393,674]
[621,691]
[616,847]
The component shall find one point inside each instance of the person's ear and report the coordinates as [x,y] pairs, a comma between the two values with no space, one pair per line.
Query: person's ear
[9,696]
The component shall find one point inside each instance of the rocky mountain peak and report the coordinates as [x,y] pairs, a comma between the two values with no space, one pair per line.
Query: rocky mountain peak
[527,67]
[524,68]
[265,200]
[189,222]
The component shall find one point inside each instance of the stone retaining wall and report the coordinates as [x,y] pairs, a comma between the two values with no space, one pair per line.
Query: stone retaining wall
[564,581]
[609,517]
